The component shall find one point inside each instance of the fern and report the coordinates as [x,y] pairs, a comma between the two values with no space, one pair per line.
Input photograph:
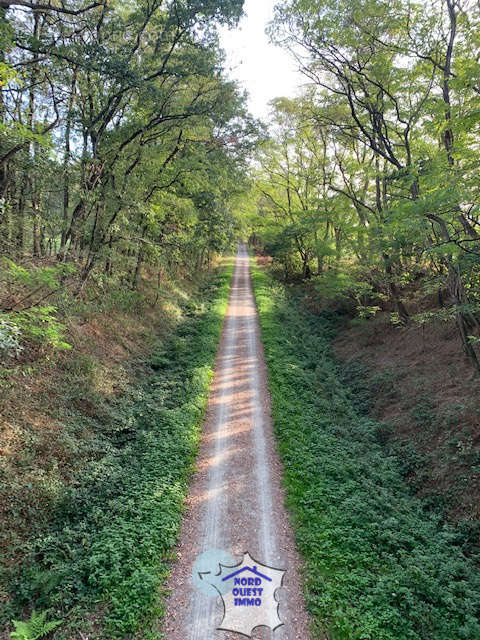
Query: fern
[35,628]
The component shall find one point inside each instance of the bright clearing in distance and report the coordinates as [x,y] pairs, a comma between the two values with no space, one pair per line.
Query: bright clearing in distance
[260,67]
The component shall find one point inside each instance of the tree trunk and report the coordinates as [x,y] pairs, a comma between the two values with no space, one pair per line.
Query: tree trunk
[109,260]
[66,165]
[35,203]
[457,291]
[4,168]
[140,256]
[20,235]
[393,291]
[36,238]
[306,272]
[338,244]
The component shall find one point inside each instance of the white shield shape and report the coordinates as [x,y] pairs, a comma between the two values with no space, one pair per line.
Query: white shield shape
[249,596]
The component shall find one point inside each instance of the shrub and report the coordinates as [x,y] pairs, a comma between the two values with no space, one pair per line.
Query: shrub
[9,338]
[377,567]
[40,325]
[112,531]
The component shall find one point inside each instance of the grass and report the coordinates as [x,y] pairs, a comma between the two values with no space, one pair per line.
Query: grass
[377,567]
[101,563]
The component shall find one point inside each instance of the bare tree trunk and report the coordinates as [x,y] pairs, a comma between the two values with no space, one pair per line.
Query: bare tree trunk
[338,244]
[43,251]
[35,202]
[4,168]
[393,293]
[457,291]
[30,122]
[20,235]
[306,271]
[318,254]
[6,201]
[36,231]
[86,271]
[140,256]
[455,284]
[66,165]
[109,260]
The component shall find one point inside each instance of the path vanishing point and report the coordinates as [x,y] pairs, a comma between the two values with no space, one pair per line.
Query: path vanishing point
[235,501]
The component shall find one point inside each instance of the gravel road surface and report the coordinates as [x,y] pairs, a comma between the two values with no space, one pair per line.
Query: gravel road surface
[236,501]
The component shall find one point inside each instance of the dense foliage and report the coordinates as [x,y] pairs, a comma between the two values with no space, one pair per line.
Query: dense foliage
[108,543]
[127,161]
[370,181]
[376,566]
[120,141]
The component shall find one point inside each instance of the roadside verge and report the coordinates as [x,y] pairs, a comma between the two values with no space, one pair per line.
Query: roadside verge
[376,566]
[100,566]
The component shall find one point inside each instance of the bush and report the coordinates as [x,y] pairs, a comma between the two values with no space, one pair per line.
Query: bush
[377,567]
[39,325]
[112,531]
[9,338]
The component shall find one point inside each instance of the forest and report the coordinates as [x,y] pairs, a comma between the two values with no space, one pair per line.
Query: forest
[121,141]
[370,179]
[131,168]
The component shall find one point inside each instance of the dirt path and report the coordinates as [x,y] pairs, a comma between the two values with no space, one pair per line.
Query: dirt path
[236,501]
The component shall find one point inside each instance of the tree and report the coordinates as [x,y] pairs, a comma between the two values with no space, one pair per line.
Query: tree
[391,90]
[123,105]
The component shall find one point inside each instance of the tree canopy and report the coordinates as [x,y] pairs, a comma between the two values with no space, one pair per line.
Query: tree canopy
[121,140]
[370,181]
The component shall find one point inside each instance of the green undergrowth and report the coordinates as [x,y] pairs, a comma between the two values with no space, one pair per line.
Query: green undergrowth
[377,567]
[435,446]
[101,564]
